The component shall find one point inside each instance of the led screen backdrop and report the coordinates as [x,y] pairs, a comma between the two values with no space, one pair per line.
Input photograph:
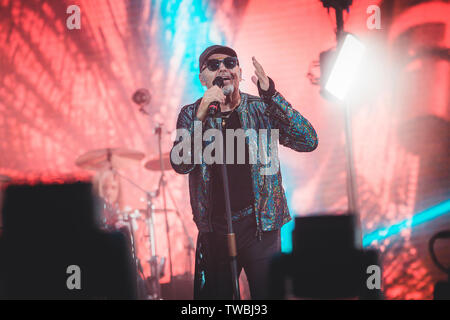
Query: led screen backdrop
[64,92]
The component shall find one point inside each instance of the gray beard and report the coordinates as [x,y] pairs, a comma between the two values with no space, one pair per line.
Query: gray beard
[228,90]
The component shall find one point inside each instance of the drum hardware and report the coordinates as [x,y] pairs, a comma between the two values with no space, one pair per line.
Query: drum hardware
[162,163]
[162,190]
[150,218]
[142,97]
[130,218]
[113,158]
[108,158]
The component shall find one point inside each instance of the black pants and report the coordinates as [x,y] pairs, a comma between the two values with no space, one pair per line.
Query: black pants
[253,255]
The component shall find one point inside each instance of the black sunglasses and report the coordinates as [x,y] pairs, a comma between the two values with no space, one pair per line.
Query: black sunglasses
[228,62]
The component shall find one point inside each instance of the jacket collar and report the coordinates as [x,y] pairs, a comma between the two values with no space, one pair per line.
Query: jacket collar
[243,105]
[240,110]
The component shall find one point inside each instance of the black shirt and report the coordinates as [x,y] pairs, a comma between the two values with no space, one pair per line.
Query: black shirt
[239,180]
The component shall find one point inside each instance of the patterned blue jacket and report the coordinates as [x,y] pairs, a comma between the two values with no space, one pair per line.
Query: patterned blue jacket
[270,111]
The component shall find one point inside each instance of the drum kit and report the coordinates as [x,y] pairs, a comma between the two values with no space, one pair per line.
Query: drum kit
[124,220]
[115,218]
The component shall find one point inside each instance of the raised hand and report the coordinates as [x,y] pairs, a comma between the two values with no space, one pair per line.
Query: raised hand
[260,75]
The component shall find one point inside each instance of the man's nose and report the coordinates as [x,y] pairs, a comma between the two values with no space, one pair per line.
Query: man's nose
[222,66]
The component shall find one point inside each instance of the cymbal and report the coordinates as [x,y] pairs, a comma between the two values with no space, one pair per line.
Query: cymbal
[155,165]
[4,178]
[108,158]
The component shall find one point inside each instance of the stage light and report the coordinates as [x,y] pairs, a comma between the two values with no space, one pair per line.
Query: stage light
[418,218]
[345,67]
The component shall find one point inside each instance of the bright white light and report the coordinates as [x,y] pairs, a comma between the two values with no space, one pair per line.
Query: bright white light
[345,67]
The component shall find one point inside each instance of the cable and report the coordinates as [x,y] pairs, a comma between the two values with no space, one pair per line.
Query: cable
[440,235]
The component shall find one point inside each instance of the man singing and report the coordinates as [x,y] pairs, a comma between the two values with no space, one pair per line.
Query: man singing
[258,203]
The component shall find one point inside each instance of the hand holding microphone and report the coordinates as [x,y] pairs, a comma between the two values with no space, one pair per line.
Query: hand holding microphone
[211,100]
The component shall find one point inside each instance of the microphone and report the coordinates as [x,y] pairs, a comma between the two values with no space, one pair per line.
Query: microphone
[158,128]
[142,98]
[214,106]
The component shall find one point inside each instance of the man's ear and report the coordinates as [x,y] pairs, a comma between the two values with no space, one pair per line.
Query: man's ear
[240,74]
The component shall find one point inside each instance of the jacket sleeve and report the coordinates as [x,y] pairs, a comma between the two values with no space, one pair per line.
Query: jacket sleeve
[186,124]
[295,130]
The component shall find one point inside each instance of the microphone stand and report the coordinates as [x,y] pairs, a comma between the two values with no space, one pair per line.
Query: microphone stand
[352,189]
[231,237]
[162,188]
